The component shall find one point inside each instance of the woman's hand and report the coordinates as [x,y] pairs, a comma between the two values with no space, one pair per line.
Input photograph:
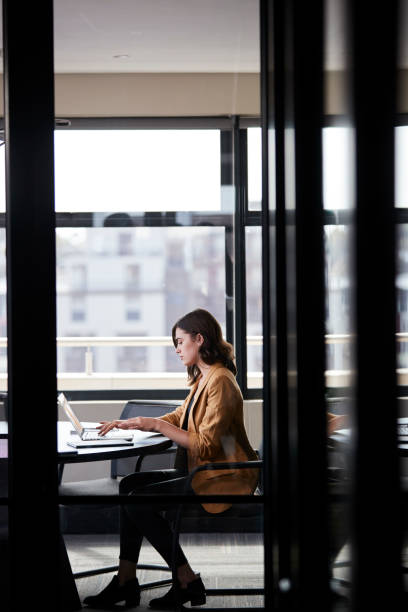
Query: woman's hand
[141,423]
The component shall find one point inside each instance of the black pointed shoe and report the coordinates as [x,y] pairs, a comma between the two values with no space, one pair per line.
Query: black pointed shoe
[115,593]
[194,593]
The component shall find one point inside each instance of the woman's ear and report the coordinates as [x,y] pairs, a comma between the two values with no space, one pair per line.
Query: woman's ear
[199,339]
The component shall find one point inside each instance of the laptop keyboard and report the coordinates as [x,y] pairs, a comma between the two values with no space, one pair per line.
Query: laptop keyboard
[111,435]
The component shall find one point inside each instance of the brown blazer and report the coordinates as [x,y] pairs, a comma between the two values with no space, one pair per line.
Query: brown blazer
[217,434]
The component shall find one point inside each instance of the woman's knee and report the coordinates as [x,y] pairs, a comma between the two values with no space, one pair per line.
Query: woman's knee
[126,485]
[133,481]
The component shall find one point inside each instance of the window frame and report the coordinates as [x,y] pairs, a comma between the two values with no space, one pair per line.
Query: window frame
[233,172]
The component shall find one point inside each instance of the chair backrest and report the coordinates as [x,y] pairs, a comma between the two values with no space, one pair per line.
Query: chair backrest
[134,408]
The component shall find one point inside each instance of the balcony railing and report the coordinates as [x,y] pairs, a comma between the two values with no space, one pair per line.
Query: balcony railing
[89,379]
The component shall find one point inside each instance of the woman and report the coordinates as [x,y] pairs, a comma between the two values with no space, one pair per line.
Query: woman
[208,427]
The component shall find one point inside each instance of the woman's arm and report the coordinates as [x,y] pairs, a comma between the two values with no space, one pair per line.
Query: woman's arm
[179,436]
[133,423]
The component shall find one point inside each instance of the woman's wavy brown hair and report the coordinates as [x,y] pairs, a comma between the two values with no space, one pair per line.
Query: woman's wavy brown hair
[214,349]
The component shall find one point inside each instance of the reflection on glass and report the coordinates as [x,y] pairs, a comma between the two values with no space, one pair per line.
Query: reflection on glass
[338,302]
[338,196]
[402,300]
[3,307]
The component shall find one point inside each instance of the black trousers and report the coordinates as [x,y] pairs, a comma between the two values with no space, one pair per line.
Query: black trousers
[138,521]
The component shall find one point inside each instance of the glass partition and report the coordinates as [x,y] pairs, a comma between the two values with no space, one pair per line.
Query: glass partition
[339,206]
[146,232]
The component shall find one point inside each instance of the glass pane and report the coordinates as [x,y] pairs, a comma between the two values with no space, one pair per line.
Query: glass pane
[254,169]
[338,306]
[338,184]
[253,243]
[145,278]
[339,195]
[121,288]
[137,170]
[401,160]
[402,302]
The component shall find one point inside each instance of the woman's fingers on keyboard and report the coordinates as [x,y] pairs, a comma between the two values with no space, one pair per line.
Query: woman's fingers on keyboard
[106,426]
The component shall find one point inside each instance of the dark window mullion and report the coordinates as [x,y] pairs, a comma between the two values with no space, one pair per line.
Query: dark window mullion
[240,180]
[375,503]
[31,311]
[305,20]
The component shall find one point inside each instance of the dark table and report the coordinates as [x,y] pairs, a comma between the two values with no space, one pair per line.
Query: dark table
[144,444]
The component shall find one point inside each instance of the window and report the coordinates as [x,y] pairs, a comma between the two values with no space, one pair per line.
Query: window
[254,169]
[133,315]
[338,196]
[132,358]
[132,279]
[78,308]
[79,277]
[253,243]
[137,170]
[125,246]
[149,294]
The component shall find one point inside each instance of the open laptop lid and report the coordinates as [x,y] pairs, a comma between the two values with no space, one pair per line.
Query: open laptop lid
[63,402]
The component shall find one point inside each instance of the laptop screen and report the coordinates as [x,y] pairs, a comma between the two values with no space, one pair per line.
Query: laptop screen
[62,400]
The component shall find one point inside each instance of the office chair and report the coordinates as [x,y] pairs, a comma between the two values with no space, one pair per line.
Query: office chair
[239,515]
[105,518]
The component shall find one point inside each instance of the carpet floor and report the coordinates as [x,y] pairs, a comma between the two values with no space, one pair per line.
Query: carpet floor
[223,561]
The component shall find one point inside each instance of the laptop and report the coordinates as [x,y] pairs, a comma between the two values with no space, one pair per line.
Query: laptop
[89,436]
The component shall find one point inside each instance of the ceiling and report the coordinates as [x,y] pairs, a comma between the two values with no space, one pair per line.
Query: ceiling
[108,36]
[156,36]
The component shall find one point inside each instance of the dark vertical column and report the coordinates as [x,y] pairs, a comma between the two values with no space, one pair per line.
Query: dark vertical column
[301,415]
[240,174]
[312,507]
[29,123]
[270,447]
[285,311]
[376,508]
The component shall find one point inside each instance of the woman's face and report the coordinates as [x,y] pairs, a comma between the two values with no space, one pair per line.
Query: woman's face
[187,347]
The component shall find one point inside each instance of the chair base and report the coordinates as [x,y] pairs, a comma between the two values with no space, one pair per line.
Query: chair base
[114,568]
